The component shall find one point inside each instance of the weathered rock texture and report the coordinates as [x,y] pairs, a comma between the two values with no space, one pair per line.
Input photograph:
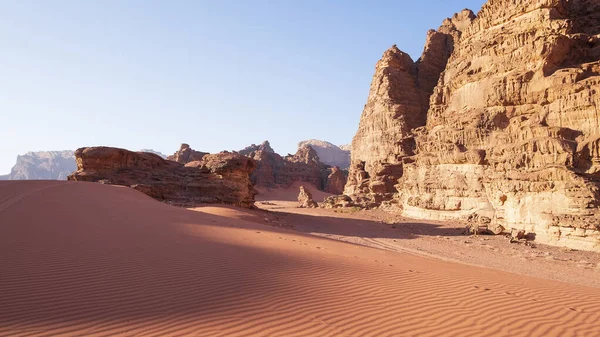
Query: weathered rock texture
[397,104]
[305,199]
[328,153]
[185,154]
[44,165]
[512,129]
[217,178]
[275,171]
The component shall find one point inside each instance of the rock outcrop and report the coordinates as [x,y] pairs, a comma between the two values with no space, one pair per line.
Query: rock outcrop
[336,181]
[274,171]
[398,103]
[512,129]
[305,199]
[185,154]
[43,165]
[329,154]
[217,178]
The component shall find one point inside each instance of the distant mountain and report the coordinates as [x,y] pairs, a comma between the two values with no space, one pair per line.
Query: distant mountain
[328,153]
[346,147]
[164,156]
[46,165]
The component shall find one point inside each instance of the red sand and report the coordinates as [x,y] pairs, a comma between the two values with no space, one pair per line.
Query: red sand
[90,259]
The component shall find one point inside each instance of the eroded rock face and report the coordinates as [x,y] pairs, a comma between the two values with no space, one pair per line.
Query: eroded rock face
[305,199]
[185,154]
[275,171]
[512,132]
[217,178]
[398,103]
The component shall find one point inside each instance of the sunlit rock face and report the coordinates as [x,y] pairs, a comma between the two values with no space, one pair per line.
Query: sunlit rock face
[397,104]
[512,130]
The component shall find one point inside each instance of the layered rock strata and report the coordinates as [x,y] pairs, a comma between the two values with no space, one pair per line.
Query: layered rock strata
[512,129]
[397,104]
[217,178]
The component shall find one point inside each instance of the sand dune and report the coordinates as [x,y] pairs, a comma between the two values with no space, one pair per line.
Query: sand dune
[96,260]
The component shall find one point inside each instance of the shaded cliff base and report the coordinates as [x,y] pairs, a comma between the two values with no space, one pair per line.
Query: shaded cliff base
[446,240]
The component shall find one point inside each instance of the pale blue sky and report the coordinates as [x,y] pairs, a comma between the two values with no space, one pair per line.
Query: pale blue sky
[218,75]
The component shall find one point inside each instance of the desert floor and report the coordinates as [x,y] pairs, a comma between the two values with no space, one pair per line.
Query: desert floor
[87,259]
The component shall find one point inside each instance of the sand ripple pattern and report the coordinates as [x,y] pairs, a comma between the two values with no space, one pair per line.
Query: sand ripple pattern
[82,259]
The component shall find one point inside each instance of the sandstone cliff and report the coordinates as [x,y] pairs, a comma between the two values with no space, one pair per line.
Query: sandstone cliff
[217,178]
[511,131]
[397,104]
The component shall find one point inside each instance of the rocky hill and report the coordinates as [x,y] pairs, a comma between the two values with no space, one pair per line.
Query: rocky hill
[47,165]
[328,153]
[216,178]
[275,171]
[498,119]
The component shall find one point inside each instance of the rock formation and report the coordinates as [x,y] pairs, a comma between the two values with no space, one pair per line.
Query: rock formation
[43,165]
[275,171]
[185,155]
[336,181]
[305,199]
[328,153]
[217,178]
[511,131]
[397,104]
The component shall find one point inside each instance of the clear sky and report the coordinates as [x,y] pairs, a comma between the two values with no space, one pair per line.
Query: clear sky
[219,75]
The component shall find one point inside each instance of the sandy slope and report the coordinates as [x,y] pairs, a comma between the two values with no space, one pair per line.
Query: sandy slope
[90,259]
